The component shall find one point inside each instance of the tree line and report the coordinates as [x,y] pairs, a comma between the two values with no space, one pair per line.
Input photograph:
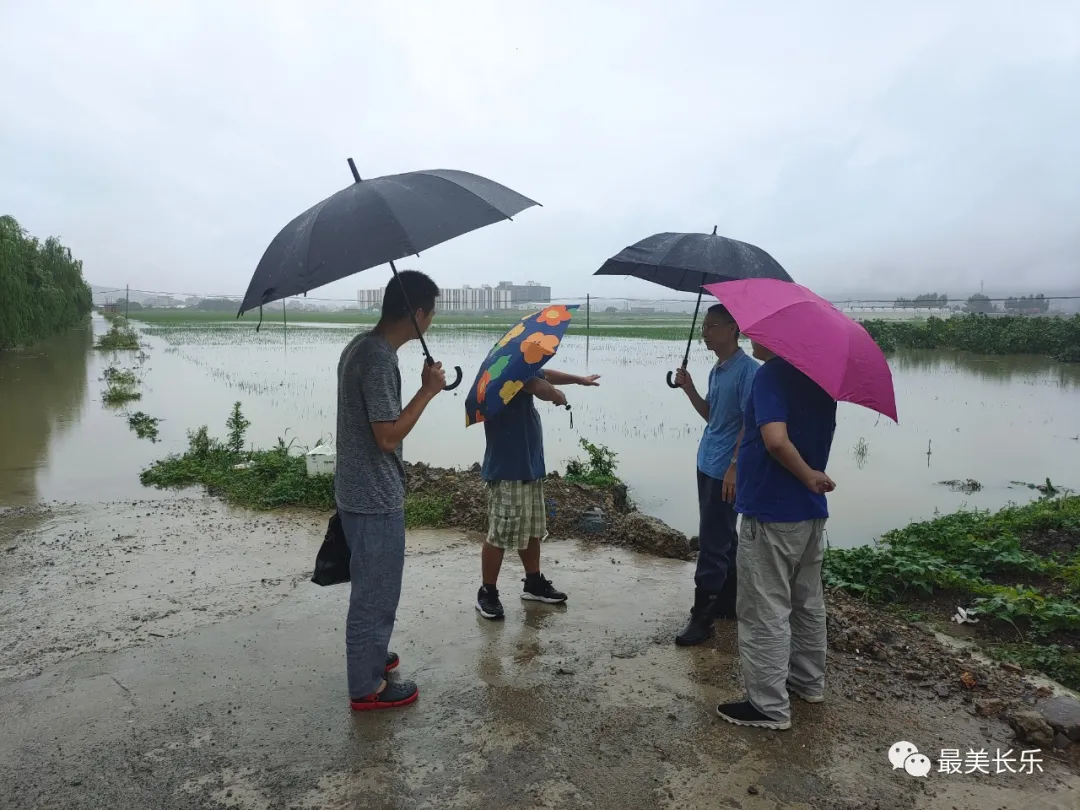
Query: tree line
[42,291]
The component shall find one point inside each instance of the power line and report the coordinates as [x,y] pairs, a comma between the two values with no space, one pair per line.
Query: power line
[910,303]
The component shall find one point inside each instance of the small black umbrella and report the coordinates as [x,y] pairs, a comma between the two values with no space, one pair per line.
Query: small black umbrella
[373,222]
[685,262]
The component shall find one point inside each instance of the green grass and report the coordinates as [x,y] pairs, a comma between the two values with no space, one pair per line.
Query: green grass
[1017,570]
[265,479]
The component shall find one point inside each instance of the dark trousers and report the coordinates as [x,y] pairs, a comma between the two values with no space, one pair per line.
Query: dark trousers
[717,541]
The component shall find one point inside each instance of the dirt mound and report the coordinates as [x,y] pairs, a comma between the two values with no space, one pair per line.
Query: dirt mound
[603,514]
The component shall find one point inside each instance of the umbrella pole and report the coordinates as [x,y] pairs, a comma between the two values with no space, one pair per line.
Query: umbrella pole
[689,341]
[412,314]
[412,317]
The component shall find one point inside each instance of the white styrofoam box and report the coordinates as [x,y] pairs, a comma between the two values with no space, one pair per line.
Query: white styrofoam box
[321,460]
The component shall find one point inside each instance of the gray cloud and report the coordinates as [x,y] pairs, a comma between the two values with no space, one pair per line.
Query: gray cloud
[893,148]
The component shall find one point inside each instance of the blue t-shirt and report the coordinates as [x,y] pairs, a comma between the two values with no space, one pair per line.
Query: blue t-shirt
[729,390]
[515,442]
[764,489]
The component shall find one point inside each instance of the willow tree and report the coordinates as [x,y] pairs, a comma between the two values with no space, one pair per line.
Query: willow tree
[42,291]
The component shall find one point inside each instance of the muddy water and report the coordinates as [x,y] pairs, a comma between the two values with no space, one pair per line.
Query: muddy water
[994,419]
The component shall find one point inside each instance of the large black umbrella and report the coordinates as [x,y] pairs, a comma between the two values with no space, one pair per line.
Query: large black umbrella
[687,261]
[373,222]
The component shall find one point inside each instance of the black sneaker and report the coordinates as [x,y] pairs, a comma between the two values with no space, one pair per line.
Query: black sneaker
[744,714]
[399,693]
[540,589]
[488,604]
[392,662]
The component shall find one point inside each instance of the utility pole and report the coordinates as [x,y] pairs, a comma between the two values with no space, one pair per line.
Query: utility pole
[127,300]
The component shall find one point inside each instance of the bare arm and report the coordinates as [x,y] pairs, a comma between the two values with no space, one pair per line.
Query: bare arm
[390,435]
[701,405]
[544,389]
[777,442]
[561,377]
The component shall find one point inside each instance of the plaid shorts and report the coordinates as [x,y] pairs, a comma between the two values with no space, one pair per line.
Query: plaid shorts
[516,513]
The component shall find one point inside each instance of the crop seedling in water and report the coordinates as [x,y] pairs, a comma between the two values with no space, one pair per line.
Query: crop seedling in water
[144,425]
[860,451]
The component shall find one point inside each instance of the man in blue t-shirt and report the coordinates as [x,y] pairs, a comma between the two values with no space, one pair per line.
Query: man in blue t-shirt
[722,409]
[780,492]
[514,470]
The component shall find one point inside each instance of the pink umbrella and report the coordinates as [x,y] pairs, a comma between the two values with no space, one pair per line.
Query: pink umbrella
[814,336]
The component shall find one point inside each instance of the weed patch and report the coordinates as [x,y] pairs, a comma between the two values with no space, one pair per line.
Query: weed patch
[144,425]
[265,479]
[1017,571]
[597,469]
[120,337]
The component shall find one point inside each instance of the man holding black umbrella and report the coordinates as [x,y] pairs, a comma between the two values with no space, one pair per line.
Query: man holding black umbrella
[722,409]
[370,483]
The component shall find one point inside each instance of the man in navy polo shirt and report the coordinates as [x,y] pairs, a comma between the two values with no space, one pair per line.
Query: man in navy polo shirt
[780,492]
[722,409]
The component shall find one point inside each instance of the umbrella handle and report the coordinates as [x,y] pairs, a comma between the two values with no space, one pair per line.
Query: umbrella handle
[456,382]
[671,381]
[457,372]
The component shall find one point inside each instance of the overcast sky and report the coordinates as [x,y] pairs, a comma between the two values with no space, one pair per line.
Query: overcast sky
[901,146]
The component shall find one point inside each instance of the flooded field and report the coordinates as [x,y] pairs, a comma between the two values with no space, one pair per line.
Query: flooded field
[996,420]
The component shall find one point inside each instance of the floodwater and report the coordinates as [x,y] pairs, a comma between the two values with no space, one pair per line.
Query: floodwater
[994,419]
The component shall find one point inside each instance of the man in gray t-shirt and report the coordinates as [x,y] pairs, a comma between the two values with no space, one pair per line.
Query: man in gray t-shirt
[369,484]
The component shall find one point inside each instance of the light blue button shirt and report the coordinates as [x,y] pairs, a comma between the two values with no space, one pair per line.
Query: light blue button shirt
[729,390]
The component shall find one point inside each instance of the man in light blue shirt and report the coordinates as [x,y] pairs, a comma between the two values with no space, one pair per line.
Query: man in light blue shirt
[722,409]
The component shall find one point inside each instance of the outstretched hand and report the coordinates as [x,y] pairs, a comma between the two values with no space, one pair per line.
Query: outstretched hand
[590,380]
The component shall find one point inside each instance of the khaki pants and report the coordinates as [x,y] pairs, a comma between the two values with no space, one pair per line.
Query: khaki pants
[781,609]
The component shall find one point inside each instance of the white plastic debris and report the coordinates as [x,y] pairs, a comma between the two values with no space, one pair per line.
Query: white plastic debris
[963,617]
[321,460]
[246,465]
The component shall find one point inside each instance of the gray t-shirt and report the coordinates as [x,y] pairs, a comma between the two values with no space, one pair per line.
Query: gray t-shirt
[368,480]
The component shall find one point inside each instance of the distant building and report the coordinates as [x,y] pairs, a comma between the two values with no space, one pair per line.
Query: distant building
[484,298]
[528,293]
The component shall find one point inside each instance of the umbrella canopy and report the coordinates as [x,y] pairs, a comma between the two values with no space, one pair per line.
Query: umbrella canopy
[376,221]
[814,336]
[686,262]
[514,358]
[373,222]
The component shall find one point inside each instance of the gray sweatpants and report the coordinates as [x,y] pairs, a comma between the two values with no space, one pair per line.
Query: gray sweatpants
[377,545]
[781,609]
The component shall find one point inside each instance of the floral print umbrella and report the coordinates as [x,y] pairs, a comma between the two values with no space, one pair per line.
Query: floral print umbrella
[515,358]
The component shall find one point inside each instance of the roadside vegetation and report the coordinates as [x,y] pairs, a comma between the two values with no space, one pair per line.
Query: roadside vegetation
[1007,334]
[264,479]
[120,337]
[42,292]
[120,386]
[1016,571]
[277,477]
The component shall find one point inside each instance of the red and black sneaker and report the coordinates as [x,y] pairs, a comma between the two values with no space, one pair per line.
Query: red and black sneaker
[395,695]
[392,662]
